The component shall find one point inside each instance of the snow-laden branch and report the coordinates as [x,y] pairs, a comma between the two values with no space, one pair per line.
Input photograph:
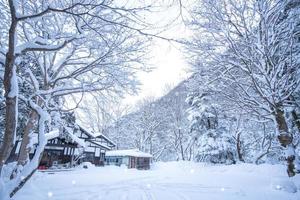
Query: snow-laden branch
[34,46]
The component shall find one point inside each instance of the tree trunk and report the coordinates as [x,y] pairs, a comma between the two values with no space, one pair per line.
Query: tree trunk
[25,149]
[285,139]
[10,128]
[296,120]
[10,98]
[239,148]
[30,168]
[181,147]
[21,184]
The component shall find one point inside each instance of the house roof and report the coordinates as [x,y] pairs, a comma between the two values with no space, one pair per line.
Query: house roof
[49,136]
[95,135]
[128,152]
[74,137]
[92,136]
[91,139]
[86,131]
[34,139]
[106,138]
[99,144]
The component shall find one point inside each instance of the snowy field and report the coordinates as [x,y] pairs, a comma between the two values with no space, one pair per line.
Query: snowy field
[165,181]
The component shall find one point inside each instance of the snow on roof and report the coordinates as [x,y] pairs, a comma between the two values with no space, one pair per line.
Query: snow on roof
[49,136]
[100,144]
[96,135]
[52,134]
[105,137]
[87,131]
[74,137]
[128,152]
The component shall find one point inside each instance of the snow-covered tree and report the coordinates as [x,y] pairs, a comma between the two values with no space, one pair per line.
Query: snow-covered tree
[212,140]
[252,51]
[73,48]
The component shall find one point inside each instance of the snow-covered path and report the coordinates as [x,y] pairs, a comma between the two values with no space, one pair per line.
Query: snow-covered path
[166,181]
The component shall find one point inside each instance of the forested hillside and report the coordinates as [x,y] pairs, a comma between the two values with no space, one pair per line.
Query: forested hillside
[182,126]
[157,126]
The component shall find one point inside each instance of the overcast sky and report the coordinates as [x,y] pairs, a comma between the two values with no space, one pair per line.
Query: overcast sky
[170,66]
[170,69]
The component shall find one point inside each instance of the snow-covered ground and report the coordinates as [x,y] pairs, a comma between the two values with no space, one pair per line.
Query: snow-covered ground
[165,181]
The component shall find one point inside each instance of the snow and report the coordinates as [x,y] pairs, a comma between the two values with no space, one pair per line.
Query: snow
[172,180]
[51,135]
[14,90]
[285,184]
[54,134]
[34,45]
[33,79]
[96,135]
[99,135]
[85,165]
[86,130]
[128,152]
[101,144]
[74,138]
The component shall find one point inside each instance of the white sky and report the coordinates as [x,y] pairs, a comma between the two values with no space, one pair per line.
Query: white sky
[167,59]
[170,69]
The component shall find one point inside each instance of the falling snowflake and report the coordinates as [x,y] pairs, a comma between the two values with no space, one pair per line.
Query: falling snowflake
[148,186]
[50,194]
[278,187]
[73,182]
[192,171]
[222,189]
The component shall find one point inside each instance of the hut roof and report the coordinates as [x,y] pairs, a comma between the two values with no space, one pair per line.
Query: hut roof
[128,152]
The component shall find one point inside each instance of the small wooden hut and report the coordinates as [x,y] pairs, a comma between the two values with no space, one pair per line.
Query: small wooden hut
[132,158]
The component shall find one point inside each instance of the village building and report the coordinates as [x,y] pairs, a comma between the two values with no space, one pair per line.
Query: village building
[59,151]
[132,158]
[96,146]
[69,148]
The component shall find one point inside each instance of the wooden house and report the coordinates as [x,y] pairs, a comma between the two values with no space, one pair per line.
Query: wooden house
[73,146]
[132,158]
[58,150]
[96,146]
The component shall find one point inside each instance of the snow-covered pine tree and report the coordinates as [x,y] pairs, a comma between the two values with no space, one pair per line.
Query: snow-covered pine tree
[212,142]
